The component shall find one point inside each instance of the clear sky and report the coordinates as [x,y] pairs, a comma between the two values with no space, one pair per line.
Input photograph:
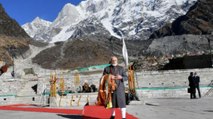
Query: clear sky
[24,11]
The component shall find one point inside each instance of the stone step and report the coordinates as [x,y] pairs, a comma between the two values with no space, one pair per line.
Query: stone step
[27,89]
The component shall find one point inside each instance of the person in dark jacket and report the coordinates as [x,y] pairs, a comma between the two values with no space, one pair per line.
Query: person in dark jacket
[192,86]
[118,96]
[197,81]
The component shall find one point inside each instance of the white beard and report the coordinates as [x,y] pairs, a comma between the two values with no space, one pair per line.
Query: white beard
[114,65]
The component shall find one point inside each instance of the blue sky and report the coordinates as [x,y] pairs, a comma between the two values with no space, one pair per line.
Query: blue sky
[24,11]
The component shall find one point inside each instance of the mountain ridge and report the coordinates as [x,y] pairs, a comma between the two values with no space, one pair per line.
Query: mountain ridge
[134,19]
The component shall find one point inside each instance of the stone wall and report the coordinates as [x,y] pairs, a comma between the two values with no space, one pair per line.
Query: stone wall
[172,77]
[170,83]
[151,84]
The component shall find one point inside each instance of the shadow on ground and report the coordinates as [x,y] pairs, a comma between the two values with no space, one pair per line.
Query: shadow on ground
[208,110]
[71,116]
[76,117]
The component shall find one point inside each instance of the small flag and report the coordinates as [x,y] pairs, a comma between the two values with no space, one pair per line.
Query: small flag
[125,53]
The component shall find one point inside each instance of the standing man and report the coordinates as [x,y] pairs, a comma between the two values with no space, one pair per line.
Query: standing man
[192,86]
[118,96]
[197,81]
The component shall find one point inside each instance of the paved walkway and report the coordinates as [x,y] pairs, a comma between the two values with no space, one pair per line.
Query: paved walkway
[158,108]
[173,108]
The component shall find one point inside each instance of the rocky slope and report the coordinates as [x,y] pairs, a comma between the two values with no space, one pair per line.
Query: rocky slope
[14,41]
[198,20]
[162,50]
[10,27]
[84,51]
[188,35]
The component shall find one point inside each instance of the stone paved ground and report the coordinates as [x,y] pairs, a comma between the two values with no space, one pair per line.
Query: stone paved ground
[149,108]
[173,108]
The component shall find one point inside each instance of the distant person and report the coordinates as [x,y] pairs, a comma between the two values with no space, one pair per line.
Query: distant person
[1,73]
[86,87]
[197,81]
[3,69]
[79,89]
[93,88]
[192,86]
[13,74]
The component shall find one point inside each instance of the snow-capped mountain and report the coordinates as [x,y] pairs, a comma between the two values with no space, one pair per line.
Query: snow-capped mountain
[94,28]
[134,19]
[69,15]
[37,26]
